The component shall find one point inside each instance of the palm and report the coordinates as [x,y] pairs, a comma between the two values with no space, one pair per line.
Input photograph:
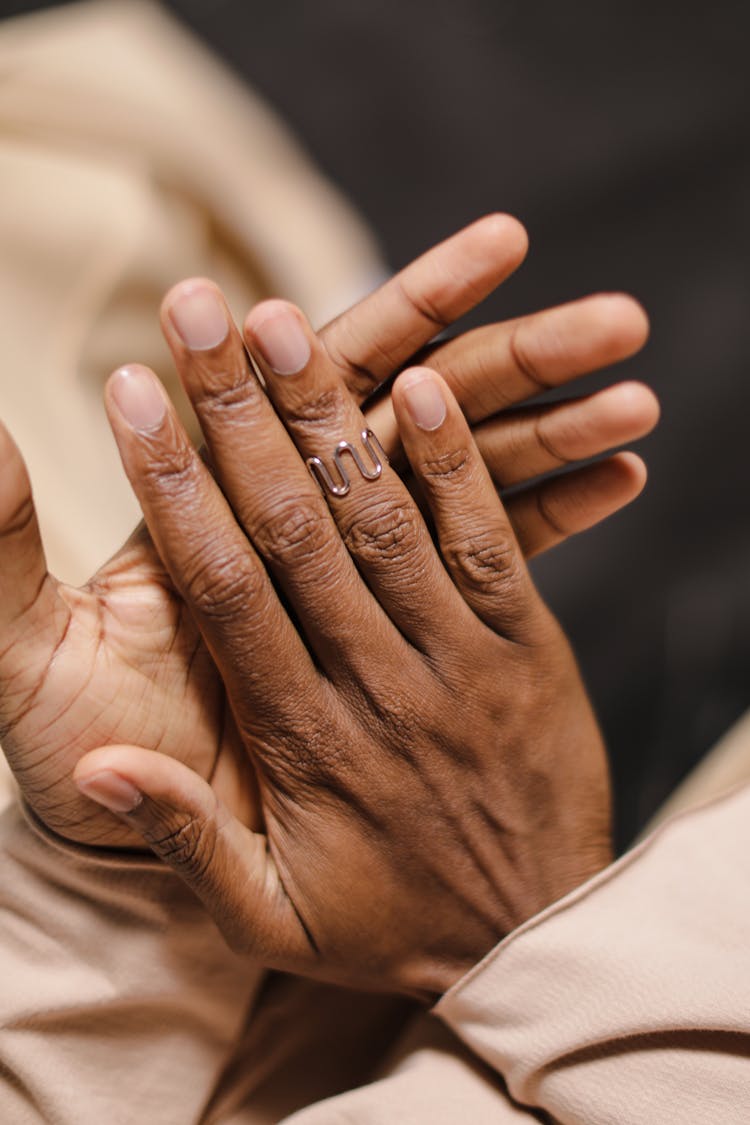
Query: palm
[117,661]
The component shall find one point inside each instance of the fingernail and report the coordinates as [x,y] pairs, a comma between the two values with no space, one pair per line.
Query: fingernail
[199,317]
[425,402]
[111,790]
[138,397]
[282,341]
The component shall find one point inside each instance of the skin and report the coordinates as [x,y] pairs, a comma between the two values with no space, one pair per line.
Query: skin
[429,770]
[121,660]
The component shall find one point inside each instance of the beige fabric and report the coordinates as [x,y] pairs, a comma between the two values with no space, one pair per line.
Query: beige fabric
[117,995]
[627,1002]
[130,158]
[434,1082]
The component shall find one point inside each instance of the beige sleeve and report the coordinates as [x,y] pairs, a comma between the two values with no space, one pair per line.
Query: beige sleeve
[119,1001]
[431,1080]
[629,1001]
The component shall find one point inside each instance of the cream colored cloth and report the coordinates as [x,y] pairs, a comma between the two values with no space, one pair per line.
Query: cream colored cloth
[627,1003]
[130,158]
[119,1002]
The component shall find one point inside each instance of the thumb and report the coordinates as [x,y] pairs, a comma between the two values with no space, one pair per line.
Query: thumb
[22,564]
[227,866]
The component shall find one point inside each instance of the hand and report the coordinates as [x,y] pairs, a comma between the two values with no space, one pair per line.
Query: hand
[497,367]
[120,659]
[429,769]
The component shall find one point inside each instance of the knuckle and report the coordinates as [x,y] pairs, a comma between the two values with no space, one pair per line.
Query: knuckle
[521,356]
[386,531]
[551,447]
[514,438]
[319,755]
[445,470]
[360,375]
[429,306]
[234,397]
[486,566]
[169,467]
[318,414]
[220,588]
[294,534]
[301,756]
[549,513]
[401,717]
[189,845]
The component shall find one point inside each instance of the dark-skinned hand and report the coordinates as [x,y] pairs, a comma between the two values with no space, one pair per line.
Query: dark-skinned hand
[121,660]
[428,769]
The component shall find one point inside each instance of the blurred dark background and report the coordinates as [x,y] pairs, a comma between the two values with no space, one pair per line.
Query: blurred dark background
[619,132]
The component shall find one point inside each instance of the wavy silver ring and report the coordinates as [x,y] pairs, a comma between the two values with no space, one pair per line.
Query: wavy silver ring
[375,451]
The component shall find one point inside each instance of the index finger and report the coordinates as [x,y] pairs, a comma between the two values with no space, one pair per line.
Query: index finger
[369,342]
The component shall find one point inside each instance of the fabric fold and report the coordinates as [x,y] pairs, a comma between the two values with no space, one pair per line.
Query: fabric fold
[629,1000]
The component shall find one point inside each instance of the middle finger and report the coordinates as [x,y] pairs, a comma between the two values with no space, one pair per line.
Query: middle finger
[377,517]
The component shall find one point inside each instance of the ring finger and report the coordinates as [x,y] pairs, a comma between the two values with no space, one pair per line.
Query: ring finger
[532,442]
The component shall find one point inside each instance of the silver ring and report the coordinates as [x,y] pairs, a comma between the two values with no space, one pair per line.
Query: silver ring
[375,452]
